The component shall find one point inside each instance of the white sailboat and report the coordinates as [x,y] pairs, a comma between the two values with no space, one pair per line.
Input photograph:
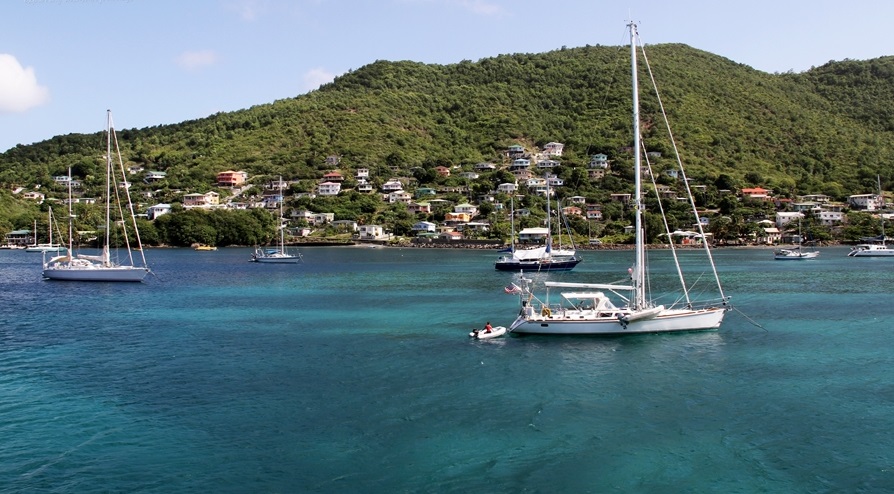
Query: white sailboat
[47,247]
[544,258]
[876,247]
[104,267]
[585,308]
[796,253]
[279,255]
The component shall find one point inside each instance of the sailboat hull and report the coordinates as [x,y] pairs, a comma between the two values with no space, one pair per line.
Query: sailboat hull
[285,259]
[80,273]
[869,250]
[513,264]
[581,323]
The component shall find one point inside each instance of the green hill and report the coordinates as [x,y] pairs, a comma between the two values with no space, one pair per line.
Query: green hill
[827,130]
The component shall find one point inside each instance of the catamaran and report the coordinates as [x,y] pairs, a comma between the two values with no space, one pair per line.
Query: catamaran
[878,246]
[585,308]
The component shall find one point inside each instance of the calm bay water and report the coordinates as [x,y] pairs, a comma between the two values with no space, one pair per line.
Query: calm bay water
[353,372]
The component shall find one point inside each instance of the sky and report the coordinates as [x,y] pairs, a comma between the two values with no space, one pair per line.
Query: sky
[63,63]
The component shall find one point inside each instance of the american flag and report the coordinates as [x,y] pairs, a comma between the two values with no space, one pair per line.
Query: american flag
[512,289]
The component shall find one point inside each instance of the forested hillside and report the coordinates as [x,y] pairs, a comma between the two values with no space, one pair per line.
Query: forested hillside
[828,130]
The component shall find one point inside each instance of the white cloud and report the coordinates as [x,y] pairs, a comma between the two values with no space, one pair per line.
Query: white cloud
[315,78]
[19,90]
[192,60]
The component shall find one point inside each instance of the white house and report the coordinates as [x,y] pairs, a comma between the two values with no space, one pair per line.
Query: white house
[372,232]
[830,218]
[322,218]
[157,210]
[329,188]
[537,233]
[466,208]
[424,227]
[392,185]
[784,217]
[398,196]
[507,188]
[869,202]
[553,148]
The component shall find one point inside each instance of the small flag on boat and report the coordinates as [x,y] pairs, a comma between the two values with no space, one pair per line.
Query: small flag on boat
[512,289]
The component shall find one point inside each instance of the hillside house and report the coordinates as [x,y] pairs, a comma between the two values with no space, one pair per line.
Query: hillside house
[515,151]
[785,217]
[831,218]
[756,193]
[153,212]
[572,211]
[372,232]
[553,148]
[231,178]
[424,227]
[507,188]
[455,218]
[33,195]
[392,185]
[467,208]
[319,219]
[419,208]
[536,234]
[866,202]
[599,161]
[206,200]
[333,177]
[519,164]
[153,176]
[328,188]
[398,196]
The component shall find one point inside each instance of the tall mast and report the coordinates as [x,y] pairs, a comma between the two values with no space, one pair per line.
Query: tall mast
[282,229]
[639,296]
[105,250]
[70,216]
[549,221]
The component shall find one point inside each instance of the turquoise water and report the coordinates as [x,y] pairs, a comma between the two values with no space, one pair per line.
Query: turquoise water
[353,372]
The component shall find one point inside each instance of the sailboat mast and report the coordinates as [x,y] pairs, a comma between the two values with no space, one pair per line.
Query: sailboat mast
[282,228]
[639,263]
[549,221]
[70,216]
[105,250]
[881,216]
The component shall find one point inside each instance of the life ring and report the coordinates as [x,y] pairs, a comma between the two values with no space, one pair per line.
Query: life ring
[546,312]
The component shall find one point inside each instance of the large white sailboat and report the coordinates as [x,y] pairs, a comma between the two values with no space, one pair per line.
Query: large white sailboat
[585,308]
[105,266]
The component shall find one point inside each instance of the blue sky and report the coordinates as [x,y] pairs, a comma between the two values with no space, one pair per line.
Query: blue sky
[156,62]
